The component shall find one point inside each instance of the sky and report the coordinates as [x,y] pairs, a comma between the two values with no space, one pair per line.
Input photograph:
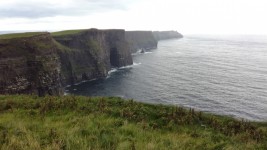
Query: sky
[185,16]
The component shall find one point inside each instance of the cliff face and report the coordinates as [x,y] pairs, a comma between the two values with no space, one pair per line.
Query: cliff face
[40,63]
[163,35]
[90,54]
[29,65]
[140,40]
[120,54]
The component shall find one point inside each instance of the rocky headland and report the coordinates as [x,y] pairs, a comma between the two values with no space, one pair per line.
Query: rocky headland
[43,63]
[164,35]
[90,54]
[140,40]
[29,64]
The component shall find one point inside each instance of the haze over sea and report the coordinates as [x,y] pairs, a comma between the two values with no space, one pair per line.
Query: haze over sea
[224,75]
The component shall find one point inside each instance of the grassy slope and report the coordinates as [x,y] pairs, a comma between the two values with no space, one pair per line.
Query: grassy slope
[29,122]
[30,34]
[67,32]
[19,35]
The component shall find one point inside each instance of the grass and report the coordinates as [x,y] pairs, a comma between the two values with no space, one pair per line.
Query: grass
[76,122]
[62,47]
[19,35]
[67,32]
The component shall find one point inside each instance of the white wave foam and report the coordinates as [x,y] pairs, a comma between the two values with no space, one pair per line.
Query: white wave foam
[83,81]
[139,52]
[148,52]
[112,70]
[129,66]
[135,64]
[121,68]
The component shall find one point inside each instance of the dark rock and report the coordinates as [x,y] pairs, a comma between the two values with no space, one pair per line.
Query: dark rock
[142,50]
[37,63]
[91,53]
[140,40]
[29,65]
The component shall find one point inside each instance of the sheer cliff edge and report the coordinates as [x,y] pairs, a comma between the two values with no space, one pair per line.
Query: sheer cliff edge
[146,40]
[43,63]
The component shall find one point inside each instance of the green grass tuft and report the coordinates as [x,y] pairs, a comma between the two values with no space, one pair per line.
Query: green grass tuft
[77,122]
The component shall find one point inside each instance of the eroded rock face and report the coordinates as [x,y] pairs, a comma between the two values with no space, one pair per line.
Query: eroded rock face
[140,40]
[29,65]
[120,54]
[91,53]
[41,64]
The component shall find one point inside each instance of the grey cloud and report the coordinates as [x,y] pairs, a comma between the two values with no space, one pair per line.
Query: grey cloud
[71,8]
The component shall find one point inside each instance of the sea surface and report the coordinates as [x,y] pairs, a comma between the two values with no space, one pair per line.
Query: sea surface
[225,75]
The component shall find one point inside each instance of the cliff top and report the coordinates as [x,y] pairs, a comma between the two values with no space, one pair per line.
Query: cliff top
[67,32]
[140,31]
[70,32]
[20,35]
[25,44]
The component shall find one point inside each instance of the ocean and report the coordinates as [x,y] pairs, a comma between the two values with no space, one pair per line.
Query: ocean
[225,75]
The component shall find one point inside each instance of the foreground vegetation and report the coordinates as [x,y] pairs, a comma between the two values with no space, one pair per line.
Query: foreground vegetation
[76,122]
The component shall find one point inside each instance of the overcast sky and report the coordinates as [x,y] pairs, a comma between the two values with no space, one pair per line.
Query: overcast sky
[185,16]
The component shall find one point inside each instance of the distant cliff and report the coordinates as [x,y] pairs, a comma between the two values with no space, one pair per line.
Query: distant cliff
[43,63]
[163,35]
[29,64]
[147,39]
[140,40]
[90,54]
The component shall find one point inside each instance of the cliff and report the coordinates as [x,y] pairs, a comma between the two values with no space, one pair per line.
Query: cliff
[140,40]
[29,64]
[41,62]
[163,35]
[90,54]
[148,39]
